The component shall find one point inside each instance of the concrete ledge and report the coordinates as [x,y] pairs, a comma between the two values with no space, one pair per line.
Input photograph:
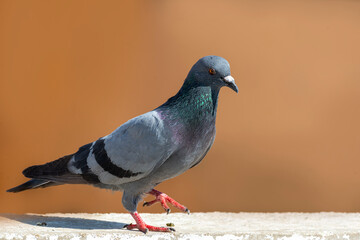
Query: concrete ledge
[215,225]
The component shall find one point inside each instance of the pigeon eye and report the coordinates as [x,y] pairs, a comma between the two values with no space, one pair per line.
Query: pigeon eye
[212,71]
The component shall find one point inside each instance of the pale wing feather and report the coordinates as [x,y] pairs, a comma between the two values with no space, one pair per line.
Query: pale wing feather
[139,145]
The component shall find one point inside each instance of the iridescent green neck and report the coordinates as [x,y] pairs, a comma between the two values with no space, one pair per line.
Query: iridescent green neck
[193,106]
[197,103]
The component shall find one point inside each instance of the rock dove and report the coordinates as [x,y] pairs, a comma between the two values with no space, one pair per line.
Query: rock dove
[147,149]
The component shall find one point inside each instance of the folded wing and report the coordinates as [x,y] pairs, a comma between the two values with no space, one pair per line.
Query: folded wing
[129,153]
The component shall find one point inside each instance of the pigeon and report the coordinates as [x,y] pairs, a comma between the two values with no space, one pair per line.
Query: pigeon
[148,149]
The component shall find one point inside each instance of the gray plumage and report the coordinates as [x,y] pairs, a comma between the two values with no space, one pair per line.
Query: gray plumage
[150,148]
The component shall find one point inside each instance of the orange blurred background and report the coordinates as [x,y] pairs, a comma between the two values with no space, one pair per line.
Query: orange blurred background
[73,71]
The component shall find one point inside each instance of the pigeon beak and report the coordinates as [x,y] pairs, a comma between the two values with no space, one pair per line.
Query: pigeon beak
[230,82]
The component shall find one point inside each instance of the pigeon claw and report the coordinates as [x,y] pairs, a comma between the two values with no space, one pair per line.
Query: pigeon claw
[163,199]
[145,228]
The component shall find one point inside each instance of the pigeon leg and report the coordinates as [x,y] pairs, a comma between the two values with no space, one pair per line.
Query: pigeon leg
[163,198]
[143,227]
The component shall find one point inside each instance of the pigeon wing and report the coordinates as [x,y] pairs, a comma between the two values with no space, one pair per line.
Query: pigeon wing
[129,153]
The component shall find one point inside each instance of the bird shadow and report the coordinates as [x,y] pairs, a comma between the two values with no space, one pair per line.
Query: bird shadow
[64,222]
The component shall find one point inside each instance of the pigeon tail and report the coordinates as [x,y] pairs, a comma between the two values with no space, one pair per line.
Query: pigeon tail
[32,184]
[54,168]
[56,171]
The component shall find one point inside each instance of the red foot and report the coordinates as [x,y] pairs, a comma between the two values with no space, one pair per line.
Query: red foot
[140,224]
[163,198]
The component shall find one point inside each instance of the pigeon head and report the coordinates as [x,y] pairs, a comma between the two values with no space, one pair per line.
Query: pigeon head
[212,71]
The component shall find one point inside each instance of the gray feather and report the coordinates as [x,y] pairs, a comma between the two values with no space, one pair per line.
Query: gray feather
[150,148]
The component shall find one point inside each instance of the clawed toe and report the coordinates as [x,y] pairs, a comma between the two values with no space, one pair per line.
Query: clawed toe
[148,228]
[143,227]
[162,198]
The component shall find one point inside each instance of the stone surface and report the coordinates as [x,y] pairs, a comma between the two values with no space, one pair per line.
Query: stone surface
[214,225]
